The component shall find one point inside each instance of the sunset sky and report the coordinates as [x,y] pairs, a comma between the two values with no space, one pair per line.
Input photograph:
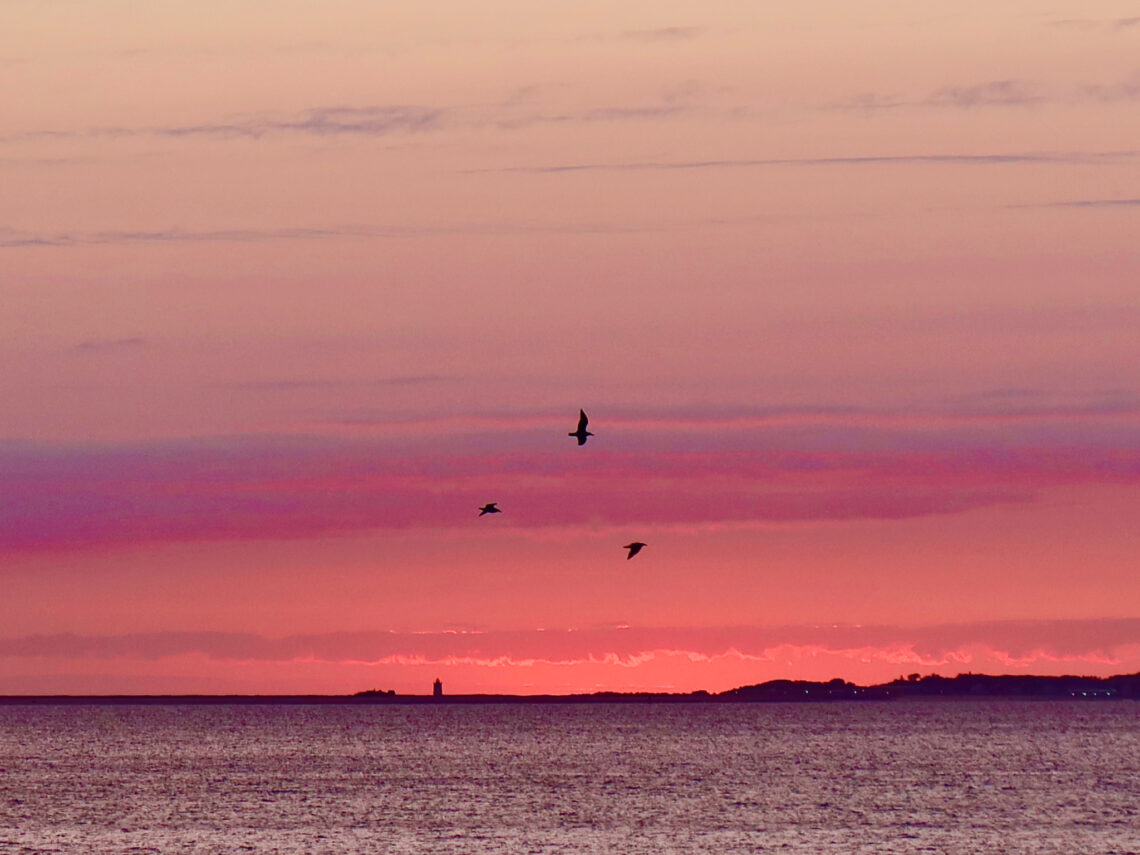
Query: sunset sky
[850,291]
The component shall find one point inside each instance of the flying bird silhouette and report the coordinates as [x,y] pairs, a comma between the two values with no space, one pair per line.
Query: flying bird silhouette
[490,508]
[634,548]
[581,433]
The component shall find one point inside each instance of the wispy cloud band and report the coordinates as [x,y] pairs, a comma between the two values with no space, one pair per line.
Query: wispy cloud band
[18,239]
[1004,93]
[985,159]
[1086,203]
[1015,642]
[375,120]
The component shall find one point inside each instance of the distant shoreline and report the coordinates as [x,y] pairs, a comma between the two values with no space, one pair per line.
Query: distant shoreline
[962,687]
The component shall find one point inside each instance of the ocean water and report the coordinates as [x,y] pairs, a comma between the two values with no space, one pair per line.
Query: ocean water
[894,777]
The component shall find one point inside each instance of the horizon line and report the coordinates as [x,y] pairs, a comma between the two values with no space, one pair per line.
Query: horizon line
[836,689]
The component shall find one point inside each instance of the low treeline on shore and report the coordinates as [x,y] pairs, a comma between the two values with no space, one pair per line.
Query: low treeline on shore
[1120,687]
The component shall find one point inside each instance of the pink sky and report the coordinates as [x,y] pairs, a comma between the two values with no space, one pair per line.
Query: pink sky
[849,292]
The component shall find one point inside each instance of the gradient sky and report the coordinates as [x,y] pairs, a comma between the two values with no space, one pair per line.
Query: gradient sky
[851,293]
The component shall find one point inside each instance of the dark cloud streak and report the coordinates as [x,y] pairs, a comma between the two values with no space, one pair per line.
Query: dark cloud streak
[663,34]
[14,239]
[285,385]
[320,121]
[111,345]
[1091,158]
[1085,203]
[1002,93]
[368,121]
[1111,24]
[992,93]
[324,121]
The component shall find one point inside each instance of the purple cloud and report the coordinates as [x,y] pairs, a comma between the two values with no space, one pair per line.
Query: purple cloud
[700,467]
[111,345]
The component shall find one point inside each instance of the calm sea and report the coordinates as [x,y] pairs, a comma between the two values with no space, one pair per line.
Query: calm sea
[915,776]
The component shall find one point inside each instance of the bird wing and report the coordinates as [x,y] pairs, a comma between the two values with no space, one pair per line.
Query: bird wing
[582,420]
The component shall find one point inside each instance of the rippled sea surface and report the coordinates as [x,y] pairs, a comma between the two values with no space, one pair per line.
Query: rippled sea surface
[915,776]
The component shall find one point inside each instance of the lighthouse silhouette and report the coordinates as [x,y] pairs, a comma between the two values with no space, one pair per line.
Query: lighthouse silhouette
[437,688]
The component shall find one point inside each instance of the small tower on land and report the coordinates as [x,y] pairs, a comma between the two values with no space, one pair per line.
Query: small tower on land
[437,689]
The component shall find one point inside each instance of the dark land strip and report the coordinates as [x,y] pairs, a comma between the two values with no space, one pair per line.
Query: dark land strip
[964,686]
